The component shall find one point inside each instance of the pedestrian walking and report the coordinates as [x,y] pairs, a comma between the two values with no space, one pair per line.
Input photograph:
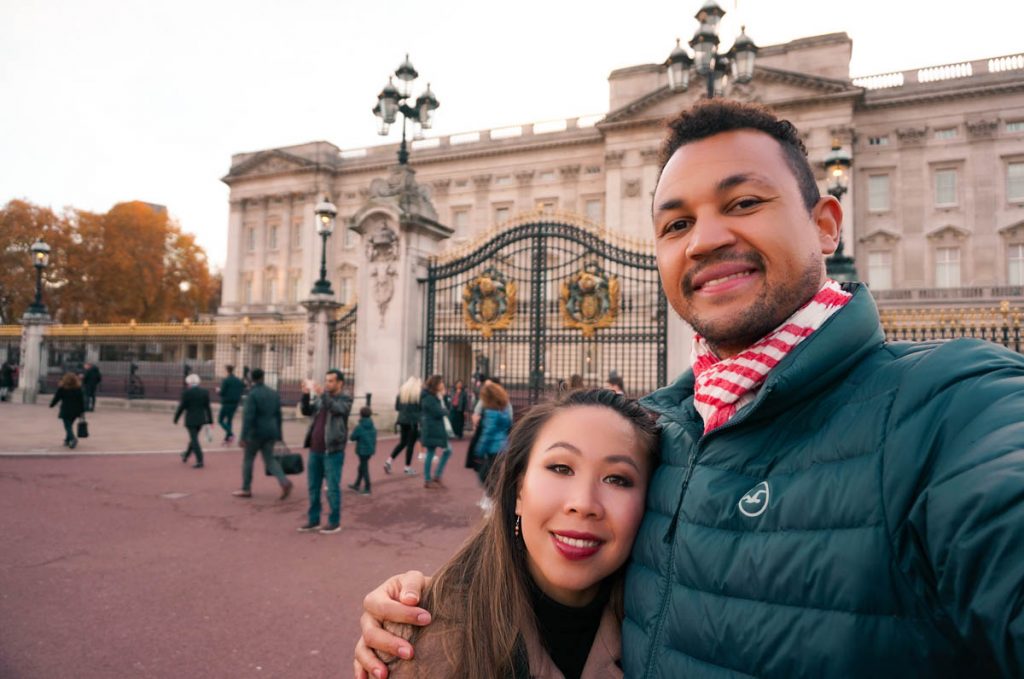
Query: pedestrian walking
[195,404]
[6,380]
[230,391]
[326,439]
[495,423]
[435,432]
[261,429]
[460,404]
[407,403]
[365,436]
[72,404]
[90,384]
[616,383]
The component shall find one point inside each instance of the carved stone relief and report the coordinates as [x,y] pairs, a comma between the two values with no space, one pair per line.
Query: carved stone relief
[381,254]
[631,188]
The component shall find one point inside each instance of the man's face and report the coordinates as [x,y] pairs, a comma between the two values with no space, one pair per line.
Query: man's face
[332,384]
[737,250]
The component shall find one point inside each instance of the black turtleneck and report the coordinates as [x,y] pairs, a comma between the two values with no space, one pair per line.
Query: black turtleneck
[568,632]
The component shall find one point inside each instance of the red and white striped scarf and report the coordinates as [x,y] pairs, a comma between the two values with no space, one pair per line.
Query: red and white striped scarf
[723,386]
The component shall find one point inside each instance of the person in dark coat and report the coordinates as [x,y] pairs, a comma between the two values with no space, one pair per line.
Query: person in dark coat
[261,429]
[407,403]
[460,404]
[230,391]
[6,380]
[90,383]
[365,436]
[435,434]
[195,404]
[72,404]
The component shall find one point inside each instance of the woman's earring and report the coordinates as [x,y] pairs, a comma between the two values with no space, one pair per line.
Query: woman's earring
[519,521]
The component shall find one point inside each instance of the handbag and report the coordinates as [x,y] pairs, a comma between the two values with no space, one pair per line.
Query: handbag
[448,427]
[291,463]
[82,429]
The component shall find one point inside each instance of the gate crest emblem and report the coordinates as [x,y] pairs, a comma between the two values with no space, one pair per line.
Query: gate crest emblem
[590,299]
[489,302]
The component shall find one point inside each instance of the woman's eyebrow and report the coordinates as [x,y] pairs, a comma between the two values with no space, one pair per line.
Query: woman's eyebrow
[626,459]
[568,446]
[623,458]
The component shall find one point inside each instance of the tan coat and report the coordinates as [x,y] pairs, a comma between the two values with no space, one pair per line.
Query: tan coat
[431,663]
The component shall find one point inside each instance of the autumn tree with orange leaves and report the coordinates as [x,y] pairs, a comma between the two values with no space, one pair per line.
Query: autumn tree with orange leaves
[105,268]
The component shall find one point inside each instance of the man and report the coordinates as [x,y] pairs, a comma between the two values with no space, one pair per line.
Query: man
[6,379]
[261,429]
[616,383]
[90,383]
[827,504]
[230,391]
[195,404]
[325,438]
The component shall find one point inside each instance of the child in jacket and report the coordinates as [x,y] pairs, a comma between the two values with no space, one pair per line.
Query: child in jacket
[365,436]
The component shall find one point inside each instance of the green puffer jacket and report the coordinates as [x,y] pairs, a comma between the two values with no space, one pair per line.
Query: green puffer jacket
[433,412]
[863,517]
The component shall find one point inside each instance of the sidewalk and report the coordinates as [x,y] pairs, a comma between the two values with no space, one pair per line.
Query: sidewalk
[121,561]
[36,430]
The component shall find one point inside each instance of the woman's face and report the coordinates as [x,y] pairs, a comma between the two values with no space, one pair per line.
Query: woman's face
[581,501]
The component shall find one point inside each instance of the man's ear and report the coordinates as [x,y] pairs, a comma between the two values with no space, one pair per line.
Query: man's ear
[827,216]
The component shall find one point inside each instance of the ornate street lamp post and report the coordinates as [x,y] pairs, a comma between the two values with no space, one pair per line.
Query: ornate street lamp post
[837,170]
[40,260]
[325,214]
[709,64]
[391,101]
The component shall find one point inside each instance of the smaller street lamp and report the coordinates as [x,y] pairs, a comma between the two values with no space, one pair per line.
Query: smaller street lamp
[325,214]
[40,260]
[837,171]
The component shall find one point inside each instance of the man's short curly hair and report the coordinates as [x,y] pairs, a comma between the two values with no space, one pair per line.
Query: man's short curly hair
[714,116]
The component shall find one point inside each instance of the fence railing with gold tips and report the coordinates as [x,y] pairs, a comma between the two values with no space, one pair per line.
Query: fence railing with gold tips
[1000,324]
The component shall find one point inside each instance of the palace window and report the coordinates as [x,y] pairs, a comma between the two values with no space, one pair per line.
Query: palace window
[293,288]
[878,193]
[592,208]
[1015,182]
[880,270]
[250,238]
[348,238]
[1015,126]
[272,237]
[882,140]
[947,267]
[296,235]
[945,187]
[946,133]
[247,289]
[1015,264]
[460,220]
[501,214]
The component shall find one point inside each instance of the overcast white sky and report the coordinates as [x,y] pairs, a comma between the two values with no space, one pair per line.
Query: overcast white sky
[103,101]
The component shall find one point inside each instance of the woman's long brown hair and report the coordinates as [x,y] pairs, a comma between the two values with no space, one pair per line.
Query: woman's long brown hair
[480,599]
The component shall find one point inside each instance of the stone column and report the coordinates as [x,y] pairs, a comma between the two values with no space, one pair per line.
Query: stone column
[30,369]
[320,310]
[400,232]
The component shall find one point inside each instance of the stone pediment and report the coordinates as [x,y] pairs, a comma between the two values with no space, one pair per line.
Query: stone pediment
[270,162]
[1012,231]
[880,237]
[947,232]
[769,86]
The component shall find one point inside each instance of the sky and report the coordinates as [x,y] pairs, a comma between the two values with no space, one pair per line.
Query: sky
[105,101]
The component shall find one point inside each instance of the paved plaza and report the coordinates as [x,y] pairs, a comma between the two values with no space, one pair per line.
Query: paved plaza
[120,561]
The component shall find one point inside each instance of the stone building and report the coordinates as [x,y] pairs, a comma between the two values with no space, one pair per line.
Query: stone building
[935,210]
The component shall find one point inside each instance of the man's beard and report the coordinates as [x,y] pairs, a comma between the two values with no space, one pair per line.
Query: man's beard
[768,311]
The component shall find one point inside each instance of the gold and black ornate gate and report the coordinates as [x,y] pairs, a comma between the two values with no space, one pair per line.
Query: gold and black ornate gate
[545,299]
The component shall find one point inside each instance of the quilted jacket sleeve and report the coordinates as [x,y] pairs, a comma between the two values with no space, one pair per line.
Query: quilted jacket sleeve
[954,476]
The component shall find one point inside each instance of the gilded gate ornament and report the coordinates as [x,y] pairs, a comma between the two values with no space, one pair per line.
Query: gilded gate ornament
[590,299]
[489,302]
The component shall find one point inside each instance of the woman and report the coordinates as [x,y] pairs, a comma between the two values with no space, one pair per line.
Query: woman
[407,403]
[434,432]
[72,404]
[460,404]
[495,423]
[536,592]
[195,404]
